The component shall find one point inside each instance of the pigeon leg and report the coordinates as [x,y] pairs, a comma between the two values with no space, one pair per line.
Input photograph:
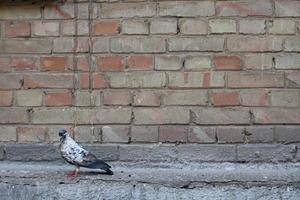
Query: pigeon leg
[73,173]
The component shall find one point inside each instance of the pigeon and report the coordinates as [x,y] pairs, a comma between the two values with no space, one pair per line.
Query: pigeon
[74,154]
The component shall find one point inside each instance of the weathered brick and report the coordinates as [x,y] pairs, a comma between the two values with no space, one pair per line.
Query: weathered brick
[287,134]
[282,26]
[52,132]
[135,27]
[287,8]
[186,97]
[29,98]
[100,45]
[186,9]
[83,80]
[196,79]
[63,45]
[265,152]
[201,134]
[87,134]
[87,98]
[20,12]
[115,134]
[53,63]
[4,64]
[8,134]
[31,134]
[196,44]
[13,115]
[147,153]
[83,10]
[144,134]
[207,152]
[146,98]
[68,28]
[127,10]
[137,80]
[258,61]
[292,79]
[163,26]
[44,28]
[222,26]
[244,8]
[173,133]
[221,116]
[168,62]
[140,62]
[59,98]
[227,62]
[10,81]
[83,27]
[230,134]
[138,44]
[63,11]
[287,61]
[254,97]
[193,27]
[22,63]
[82,63]
[255,79]
[197,63]
[32,152]
[276,116]
[292,44]
[99,81]
[103,116]
[252,26]
[52,116]
[82,45]
[107,27]
[17,29]
[117,98]
[284,98]
[258,134]
[6,98]
[34,46]
[168,115]
[110,63]
[221,98]
[48,81]
[254,44]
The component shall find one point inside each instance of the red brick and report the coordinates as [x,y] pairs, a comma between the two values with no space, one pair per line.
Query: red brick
[17,29]
[106,27]
[173,134]
[24,63]
[140,62]
[53,63]
[255,79]
[117,98]
[227,62]
[110,63]
[48,81]
[225,98]
[99,81]
[83,63]
[31,134]
[254,98]
[62,98]
[4,64]
[5,98]
[146,98]
[84,80]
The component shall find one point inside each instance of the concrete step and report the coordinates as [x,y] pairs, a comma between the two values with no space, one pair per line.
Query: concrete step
[146,180]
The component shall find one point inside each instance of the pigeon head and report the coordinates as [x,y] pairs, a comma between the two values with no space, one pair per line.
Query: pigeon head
[62,133]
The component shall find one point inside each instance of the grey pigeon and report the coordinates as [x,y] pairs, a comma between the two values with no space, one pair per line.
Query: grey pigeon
[74,154]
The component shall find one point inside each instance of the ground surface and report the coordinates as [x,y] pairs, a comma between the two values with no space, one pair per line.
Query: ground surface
[152,181]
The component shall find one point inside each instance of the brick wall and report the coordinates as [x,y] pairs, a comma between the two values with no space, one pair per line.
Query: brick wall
[137,71]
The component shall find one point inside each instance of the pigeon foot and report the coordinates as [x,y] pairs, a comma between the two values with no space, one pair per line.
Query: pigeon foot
[72,174]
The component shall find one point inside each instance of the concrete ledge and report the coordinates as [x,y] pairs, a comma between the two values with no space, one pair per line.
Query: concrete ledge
[144,180]
[160,153]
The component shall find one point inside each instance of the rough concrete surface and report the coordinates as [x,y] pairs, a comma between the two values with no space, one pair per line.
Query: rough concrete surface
[47,180]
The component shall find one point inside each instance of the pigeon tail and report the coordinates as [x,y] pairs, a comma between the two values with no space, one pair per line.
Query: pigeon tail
[99,164]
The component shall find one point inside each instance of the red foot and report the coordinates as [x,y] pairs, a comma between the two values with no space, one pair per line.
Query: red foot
[72,174]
